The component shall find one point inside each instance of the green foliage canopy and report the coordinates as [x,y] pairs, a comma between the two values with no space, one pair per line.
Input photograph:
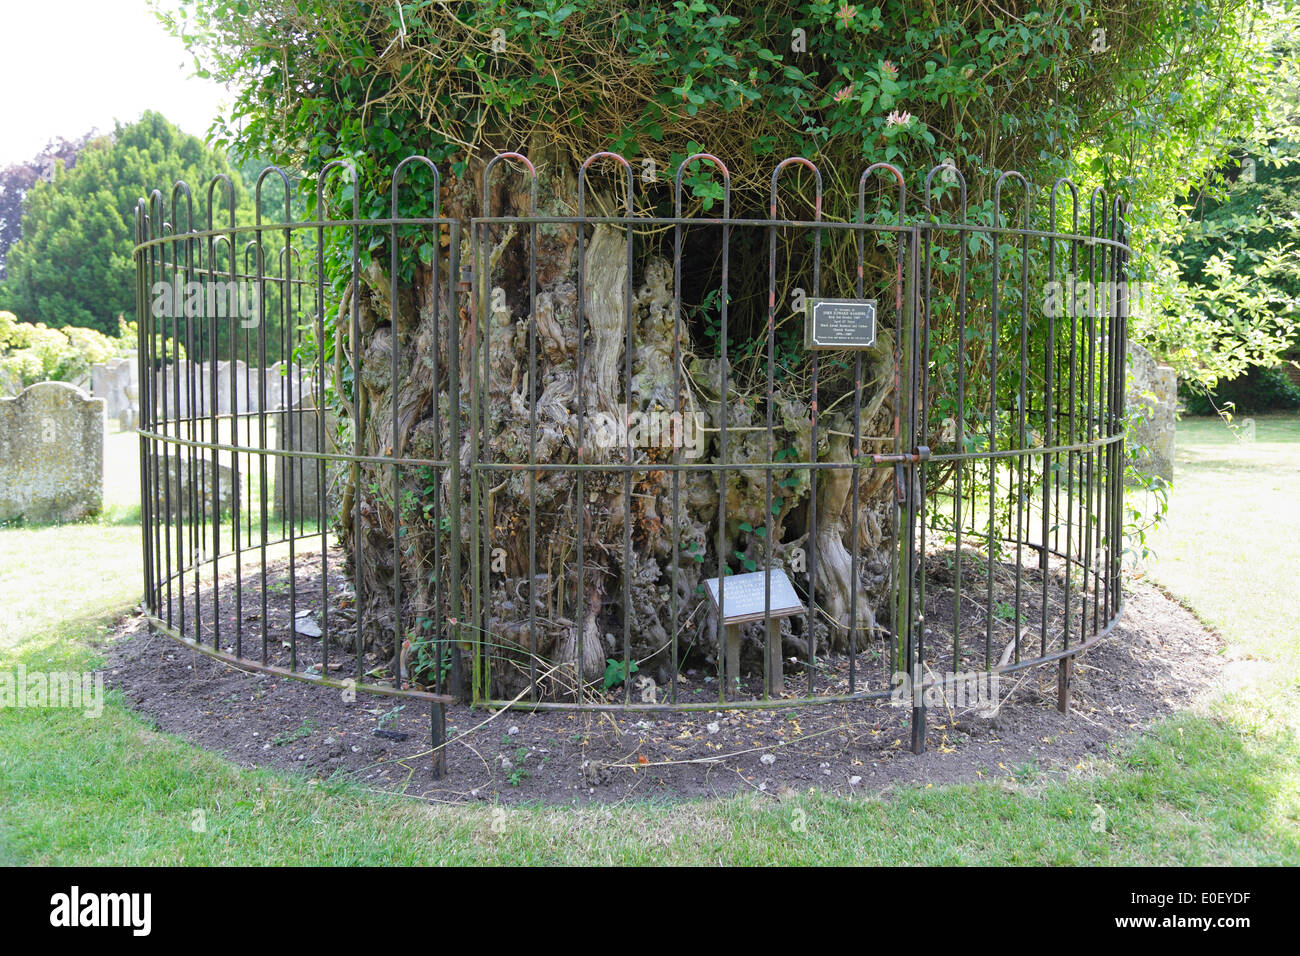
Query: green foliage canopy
[1120,92]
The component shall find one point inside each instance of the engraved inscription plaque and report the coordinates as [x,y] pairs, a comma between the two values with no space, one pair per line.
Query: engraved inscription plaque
[745,596]
[840,324]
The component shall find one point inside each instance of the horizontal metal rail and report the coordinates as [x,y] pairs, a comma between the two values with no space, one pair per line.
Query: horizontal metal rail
[974,436]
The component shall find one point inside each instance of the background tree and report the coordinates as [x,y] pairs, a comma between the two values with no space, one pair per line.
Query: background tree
[1131,95]
[1240,280]
[1226,282]
[15,180]
[73,264]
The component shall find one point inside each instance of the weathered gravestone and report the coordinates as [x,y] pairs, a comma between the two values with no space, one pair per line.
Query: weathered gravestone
[129,417]
[51,454]
[173,387]
[115,381]
[286,385]
[233,387]
[297,429]
[10,383]
[186,484]
[239,388]
[1153,394]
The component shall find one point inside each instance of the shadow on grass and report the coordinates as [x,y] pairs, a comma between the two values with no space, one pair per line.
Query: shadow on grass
[1220,775]
[113,515]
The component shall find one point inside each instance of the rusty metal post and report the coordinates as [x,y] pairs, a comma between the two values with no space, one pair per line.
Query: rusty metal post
[438,727]
[1063,675]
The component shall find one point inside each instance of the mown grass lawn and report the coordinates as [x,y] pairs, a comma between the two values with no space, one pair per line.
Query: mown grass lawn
[1220,786]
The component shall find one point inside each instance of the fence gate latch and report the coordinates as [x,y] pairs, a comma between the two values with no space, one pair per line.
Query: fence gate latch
[919,454]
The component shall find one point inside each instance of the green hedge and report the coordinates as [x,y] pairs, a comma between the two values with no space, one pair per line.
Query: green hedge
[1259,390]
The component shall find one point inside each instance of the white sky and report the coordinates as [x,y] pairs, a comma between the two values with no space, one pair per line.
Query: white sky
[70,65]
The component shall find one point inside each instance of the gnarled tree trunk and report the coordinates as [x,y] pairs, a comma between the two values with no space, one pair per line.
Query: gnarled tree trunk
[670,548]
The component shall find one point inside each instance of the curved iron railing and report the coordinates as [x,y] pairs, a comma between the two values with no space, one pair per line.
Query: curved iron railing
[981,532]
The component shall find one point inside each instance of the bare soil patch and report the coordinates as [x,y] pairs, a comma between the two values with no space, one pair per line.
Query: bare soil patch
[1158,660]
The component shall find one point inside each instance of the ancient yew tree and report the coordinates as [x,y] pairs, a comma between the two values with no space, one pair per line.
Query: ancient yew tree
[709,313]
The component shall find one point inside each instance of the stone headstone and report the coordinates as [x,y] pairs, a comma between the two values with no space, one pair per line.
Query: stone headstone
[203,381]
[233,387]
[115,381]
[185,483]
[130,416]
[297,429]
[99,387]
[172,392]
[239,387]
[1152,388]
[51,454]
[286,384]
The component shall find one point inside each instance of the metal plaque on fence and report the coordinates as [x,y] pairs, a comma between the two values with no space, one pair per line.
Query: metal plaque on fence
[840,324]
